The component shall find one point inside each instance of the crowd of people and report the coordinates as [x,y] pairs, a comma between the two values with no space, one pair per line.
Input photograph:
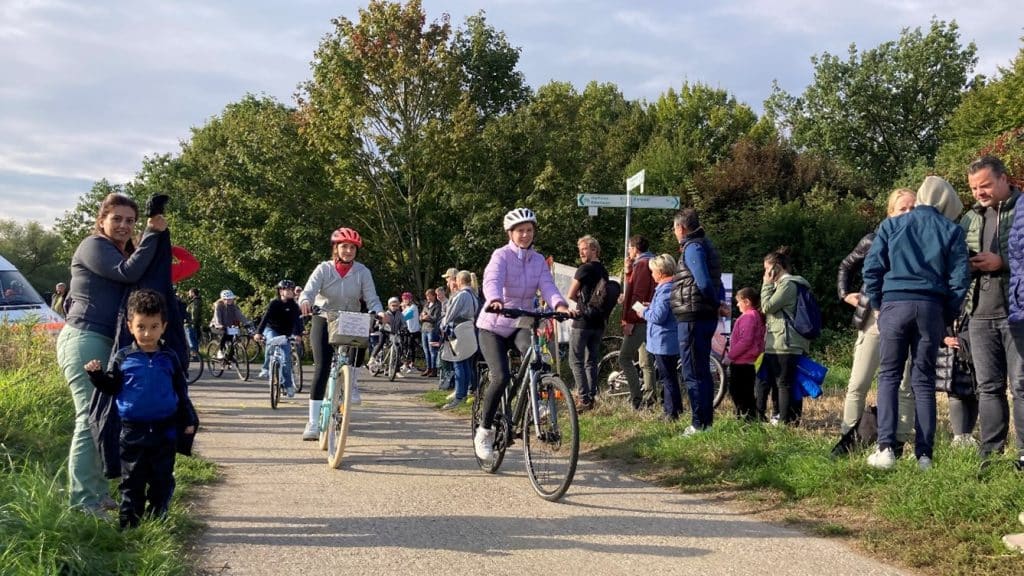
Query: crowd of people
[938,288]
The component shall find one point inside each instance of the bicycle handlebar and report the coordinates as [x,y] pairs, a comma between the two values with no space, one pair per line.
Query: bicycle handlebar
[518,313]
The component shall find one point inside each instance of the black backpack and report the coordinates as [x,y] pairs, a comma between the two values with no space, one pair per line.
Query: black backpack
[863,434]
[603,299]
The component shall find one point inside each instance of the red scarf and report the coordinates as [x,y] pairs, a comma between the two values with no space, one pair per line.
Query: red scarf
[342,267]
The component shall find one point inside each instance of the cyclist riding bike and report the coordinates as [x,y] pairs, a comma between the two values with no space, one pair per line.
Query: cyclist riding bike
[227,315]
[281,318]
[392,322]
[512,278]
[337,285]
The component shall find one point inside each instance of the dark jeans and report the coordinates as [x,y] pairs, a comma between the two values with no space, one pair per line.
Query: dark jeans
[911,329]
[495,351]
[741,389]
[963,414]
[695,354]
[147,470]
[780,378]
[997,348]
[585,351]
[668,375]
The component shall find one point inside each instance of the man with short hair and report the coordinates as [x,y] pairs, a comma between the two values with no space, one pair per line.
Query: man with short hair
[639,287]
[697,291]
[588,327]
[995,337]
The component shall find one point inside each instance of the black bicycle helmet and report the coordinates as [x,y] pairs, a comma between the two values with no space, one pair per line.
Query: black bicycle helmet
[286,285]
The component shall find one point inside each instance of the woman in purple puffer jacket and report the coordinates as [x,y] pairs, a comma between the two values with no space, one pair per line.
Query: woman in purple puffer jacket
[512,278]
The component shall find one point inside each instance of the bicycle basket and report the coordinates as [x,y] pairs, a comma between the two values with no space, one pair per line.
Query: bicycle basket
[348,329]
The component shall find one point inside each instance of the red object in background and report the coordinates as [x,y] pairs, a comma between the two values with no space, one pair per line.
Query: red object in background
[183,265]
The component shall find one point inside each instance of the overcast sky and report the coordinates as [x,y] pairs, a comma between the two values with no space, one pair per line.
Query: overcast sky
[87,89]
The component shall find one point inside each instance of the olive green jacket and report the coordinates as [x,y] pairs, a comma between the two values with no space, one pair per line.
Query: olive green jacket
[778,300]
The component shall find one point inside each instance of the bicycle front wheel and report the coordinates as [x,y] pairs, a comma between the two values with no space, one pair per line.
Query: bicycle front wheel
[297,369]
[216,364]
[337,426]
[275,384]
[552,447]
[392,363]
[241,359]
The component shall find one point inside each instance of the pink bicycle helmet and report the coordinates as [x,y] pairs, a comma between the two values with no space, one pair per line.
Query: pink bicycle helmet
[346,236]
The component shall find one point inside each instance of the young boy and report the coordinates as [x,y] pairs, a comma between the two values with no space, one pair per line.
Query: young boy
[149,385]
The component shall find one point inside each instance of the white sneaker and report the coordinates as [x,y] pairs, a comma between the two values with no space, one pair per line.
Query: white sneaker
[220,354]
[690,431]
[775,420]
[290,391]
[483,443]
[312,431]
[883,459]
[355,399]
[450,396]
[964,441]
[924,463]
[264,373]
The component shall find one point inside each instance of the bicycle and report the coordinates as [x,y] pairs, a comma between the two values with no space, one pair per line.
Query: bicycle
[611,380]
[389,357]
[252,347]
[233,356]
[298,380]
[335,412]
[276,368]
[539,406]
[196,363]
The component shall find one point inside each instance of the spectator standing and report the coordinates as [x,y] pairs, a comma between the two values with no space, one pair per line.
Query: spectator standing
[430,334]
[696,293]
[411,315]
[916,275]
[639,287]
[463,307]
[662,340]
[59,294]
[587,289]
[746,345]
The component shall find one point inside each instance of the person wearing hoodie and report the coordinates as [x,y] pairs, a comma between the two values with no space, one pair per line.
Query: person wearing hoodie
[916,275]
[865,319]
[995,230]
[512,278]
[783,345]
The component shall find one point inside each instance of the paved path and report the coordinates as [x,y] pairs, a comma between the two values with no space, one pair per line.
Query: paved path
[410,500]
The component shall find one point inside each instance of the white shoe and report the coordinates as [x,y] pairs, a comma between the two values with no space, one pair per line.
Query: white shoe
[964,441]
[220,354]
[924,463]
[450,396]
[883,459]
[690,431]
[312,431]
[264,373]
[355,399]
[775,420]
[290,391]
[483,443]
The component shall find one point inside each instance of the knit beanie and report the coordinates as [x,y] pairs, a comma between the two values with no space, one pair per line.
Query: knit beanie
[936,192]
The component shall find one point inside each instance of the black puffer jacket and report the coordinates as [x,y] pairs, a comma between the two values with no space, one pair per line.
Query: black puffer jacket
[686,300]
[850,266]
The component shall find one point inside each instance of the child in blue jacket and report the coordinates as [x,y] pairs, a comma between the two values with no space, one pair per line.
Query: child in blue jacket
[149,385]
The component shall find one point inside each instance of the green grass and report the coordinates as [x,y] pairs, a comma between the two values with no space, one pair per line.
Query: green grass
[38,533]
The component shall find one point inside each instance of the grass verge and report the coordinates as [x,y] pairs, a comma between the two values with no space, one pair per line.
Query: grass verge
[38,533]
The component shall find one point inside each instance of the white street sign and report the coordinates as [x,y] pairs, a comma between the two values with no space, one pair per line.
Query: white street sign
[635,180]
[619,201]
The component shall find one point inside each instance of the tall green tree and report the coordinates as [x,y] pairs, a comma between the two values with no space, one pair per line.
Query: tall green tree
[882,110]
[395,103]
[34,252]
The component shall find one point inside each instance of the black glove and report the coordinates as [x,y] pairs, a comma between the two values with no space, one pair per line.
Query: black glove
[156,204]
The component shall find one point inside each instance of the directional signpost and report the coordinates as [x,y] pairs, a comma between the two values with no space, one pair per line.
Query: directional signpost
[627,200]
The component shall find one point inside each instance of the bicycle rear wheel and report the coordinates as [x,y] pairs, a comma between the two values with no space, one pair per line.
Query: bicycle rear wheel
[492,464]
[337,426]
[718,380]
[241,360]
[297,379]
[552,451]
[195,366]
[611,380]
[252,349]
[216,364]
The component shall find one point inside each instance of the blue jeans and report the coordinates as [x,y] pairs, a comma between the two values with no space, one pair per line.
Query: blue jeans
[908,328]
[668,373]
[286,351]
[427,337]
[695,353]
[463,378]
[193,338]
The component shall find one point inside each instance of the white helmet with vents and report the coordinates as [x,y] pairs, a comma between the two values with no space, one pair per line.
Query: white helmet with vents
[518,216]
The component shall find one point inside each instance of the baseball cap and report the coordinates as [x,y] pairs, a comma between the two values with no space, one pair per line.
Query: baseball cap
[450,273]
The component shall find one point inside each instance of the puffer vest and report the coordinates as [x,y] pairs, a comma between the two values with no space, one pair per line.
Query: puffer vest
[972,221]
[687,301]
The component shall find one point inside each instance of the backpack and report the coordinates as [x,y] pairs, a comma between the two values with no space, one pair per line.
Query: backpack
[806,319]
[603,299]
[862,435]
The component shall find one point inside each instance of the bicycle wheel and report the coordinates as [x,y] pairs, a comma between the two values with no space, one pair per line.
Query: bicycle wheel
[610,344]
[297,379]
[216,364]
[553,449]
[241,360]
[718,380]
[195,366]
[611,380]
[252,349]
[326,409]
[492,464]
[392,363]
[275,383]
[337,426]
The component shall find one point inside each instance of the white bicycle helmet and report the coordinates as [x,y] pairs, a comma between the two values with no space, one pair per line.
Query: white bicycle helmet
[227,295]
[518,216]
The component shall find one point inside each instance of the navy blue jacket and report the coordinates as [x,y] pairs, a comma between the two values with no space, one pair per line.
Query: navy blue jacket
[921,255]
[1015,253]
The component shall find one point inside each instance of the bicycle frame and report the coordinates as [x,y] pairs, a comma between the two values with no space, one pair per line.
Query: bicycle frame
[530,370]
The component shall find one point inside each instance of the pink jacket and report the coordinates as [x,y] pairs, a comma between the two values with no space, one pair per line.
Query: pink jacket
[747,342]
[513,277]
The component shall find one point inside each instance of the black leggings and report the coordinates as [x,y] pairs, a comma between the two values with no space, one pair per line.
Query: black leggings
[494,349]
[323,354]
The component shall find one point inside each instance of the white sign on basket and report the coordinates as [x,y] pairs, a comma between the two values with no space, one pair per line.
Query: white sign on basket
[354,324]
